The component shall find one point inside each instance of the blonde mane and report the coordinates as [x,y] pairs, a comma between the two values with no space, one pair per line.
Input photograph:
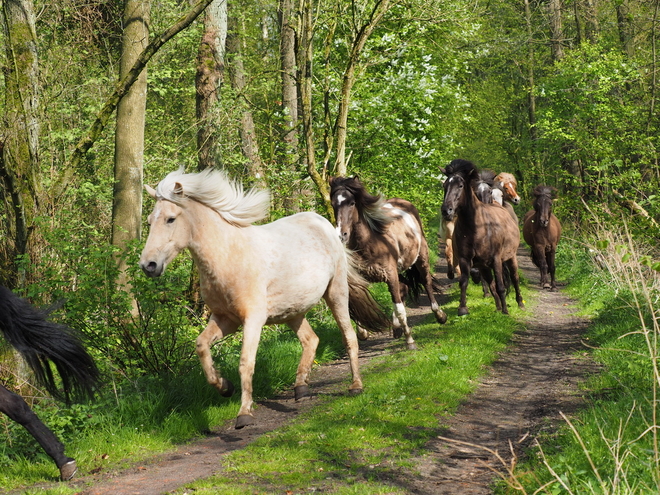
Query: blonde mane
[217,191]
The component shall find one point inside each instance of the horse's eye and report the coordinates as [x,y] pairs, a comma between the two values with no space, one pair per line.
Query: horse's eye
[171,220]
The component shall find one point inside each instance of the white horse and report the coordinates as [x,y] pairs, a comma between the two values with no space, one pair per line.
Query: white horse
[253,275]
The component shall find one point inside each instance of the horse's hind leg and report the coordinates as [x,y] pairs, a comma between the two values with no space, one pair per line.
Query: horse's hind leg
[217,328]
[489,281]
[337,298]
[17,409]
[309,341]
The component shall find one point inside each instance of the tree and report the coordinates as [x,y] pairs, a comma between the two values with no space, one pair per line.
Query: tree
[208,81]
[129,133]
[19,141]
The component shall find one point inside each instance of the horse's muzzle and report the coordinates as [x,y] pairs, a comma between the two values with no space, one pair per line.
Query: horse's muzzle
[151,268]
[448,213]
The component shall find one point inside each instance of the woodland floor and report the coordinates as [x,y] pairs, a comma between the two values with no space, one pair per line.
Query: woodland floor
[522,394]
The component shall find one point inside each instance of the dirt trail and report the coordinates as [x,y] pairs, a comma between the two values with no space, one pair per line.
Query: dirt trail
[523,393]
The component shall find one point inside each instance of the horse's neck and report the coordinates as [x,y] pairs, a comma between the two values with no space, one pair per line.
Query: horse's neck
[361,234]
[469,210]
[213,239]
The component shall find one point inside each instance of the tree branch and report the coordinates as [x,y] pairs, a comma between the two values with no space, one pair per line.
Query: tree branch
[122,87]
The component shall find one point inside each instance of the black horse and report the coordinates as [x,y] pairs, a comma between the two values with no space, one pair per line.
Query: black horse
[42,342]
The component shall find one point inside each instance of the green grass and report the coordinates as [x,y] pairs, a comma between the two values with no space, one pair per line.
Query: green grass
[369,438]
[612,438]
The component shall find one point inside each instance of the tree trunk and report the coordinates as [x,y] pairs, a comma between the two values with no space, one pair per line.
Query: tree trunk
[361,37]
[289,83]
[530,78]
[305,57]
[208,81]
[129,134]
[557,33]
[591,24]
[19,166]
[247,132]
[625,26]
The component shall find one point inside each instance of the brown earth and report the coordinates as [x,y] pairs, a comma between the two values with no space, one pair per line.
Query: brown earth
[521,395]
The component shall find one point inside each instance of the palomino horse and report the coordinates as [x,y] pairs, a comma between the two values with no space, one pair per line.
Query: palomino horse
[542,230]
[485,236]
[253,275]
[39,341]
[388,238]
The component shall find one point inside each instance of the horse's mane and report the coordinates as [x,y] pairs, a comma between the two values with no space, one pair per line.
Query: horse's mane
[506,177]
[369,206]
[462,167]
[217,191]
[542,190]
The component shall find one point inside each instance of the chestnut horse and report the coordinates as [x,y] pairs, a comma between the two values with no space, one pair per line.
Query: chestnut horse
[485,236]
[541,231]
[389,239]
[253,275]
[41,342]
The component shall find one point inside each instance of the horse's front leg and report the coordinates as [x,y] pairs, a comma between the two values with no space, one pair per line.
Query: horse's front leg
[399,318]
[251,336]
[309,341]
[424,268]
[17,409]
[551,268]
[489,280]
[539,254]
[218,327]
[463,283]
[512,266]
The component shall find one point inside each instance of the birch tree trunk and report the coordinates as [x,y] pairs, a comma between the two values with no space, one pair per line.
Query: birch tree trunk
[19,137]
[129,134]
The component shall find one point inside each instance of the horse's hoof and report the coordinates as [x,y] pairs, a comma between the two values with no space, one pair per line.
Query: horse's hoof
[441,317]
[546,286]
[300,392]
[412,347]
[463,311]
[227,388]
[354,391]
[244,420]
[397,332]
[362,336]
[69,470]
[450,275]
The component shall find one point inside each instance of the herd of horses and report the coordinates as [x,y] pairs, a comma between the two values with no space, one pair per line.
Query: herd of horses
[253,275]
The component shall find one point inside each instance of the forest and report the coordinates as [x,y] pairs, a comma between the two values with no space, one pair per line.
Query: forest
[100,97]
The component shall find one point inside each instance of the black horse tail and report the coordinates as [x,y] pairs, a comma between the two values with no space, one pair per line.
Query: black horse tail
[362,307]
[412,279]
[41,342]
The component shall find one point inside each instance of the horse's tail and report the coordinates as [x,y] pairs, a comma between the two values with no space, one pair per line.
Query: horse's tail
[41,342]
[363,308]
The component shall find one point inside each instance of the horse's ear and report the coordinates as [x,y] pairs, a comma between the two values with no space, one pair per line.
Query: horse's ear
[150,191]
[178,189]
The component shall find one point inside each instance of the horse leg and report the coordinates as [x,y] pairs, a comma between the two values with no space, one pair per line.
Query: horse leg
[217,328]
[399,319]
[309,341]
[543,266]
[512,266]
[251,336]
[337,298]
[463,283]
[499,285]
[424,268]
[489,281]
[551,268]
[17,409]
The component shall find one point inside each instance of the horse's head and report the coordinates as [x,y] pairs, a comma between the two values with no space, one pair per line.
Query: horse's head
[168,235]
[509,186]
[344,206]
[543,196]
[457,186]
[483,186]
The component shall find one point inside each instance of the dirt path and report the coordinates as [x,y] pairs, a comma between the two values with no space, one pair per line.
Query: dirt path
[523,393]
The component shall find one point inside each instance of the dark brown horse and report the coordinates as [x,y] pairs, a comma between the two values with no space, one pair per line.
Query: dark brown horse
[388,238]
[40,341]
[541,231]
[485,236]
